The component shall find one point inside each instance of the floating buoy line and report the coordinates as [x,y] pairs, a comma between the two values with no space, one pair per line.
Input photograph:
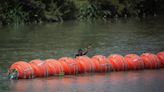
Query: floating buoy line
[82,64]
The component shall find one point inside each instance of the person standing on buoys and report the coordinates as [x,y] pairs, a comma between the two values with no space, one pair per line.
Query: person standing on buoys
[81,52]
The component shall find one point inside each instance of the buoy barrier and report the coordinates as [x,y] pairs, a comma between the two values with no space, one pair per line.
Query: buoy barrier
[52,67]
[134,62]
[55,68]
[117,61]
[150,60]
[160,56]
[21,69]
[84,64]
[39,68]
[69,65]
[101,63]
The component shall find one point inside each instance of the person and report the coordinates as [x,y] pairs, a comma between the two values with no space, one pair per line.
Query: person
[81,52]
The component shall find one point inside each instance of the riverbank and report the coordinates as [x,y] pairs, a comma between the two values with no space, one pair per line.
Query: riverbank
[41,11]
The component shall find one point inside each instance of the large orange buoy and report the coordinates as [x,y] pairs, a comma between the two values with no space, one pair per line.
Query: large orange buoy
[23,69]
[81,65]
[69,65]
[38,67]
[101,63]
[150,61]
[54,67]
[117,61]
[160,56]
[85,64]
[89,62]
[134,62]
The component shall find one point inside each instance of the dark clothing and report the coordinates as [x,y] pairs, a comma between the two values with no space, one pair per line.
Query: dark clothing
[81,53]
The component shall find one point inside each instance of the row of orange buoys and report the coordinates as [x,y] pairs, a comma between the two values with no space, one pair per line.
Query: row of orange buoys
[82,64]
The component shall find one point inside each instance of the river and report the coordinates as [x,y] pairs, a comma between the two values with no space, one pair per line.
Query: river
[56,40]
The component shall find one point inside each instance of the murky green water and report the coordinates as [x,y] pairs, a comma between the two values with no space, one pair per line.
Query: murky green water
[44,41]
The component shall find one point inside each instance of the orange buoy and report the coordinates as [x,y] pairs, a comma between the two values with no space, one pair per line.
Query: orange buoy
[85,64]
[54,67]
[101,63]
[24,70]
[160,56]
[69,65]
[134,62]
[38,67]
[81,65]
[150,61]
[117,61]
[89,62]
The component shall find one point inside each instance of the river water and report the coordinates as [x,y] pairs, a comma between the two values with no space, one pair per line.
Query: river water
[56,40]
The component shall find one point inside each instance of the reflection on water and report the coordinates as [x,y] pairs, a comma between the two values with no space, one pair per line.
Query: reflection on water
[57,40]
[132,81]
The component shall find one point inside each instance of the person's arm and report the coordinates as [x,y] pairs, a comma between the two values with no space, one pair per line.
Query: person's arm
[85,52]
[76,55]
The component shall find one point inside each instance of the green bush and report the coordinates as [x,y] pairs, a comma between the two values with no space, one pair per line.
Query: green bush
[35,11]
[38,11]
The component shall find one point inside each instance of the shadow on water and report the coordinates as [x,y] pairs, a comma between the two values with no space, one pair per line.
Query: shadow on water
[44,41]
